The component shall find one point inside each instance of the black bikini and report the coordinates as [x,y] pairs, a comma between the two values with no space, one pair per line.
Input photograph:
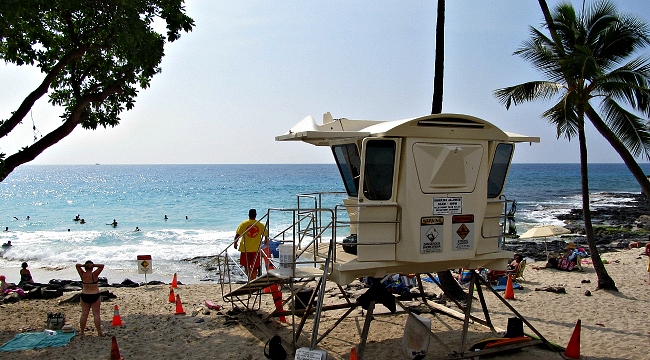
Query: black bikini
[94,282]
[90,298]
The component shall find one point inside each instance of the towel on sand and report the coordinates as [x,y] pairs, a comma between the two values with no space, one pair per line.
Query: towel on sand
[37,340]
[503,287]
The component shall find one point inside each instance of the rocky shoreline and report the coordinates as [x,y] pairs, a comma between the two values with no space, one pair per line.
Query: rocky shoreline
[56,288]
[614,228]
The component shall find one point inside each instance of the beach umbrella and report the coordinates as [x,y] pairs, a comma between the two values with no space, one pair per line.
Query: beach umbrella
[544,231]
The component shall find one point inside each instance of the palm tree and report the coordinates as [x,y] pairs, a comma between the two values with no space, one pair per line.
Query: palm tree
[436,103]
[585,59]
[448,283]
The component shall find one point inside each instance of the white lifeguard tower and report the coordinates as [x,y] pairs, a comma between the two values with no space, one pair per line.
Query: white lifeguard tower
[423,195]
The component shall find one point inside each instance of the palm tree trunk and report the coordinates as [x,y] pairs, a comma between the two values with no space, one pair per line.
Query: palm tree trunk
[551,26]
[447,281]
[436,105]
[604,280]
[450,286]
[622,151]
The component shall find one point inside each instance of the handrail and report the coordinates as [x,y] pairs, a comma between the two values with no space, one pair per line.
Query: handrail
[227,264]
[310,228]
[397,221]
[314,232]
[503,216]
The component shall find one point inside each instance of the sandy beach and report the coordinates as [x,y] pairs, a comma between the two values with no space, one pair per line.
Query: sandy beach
[614,324]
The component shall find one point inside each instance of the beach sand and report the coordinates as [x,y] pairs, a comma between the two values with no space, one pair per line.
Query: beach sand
[615,325]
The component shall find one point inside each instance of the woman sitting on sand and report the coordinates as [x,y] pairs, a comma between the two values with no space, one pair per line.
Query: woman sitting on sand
[3,284]
[25,275]
[90,297]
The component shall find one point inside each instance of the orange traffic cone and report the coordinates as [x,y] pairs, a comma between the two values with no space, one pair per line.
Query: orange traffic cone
[172,297]
[175,282]
[277,299]
[117,320]
[573,349]
[269,264]
[510,294]
[353,354]
[115,351]
[179,306]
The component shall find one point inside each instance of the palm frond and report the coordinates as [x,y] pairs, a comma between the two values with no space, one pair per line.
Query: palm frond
[615,45]
[579,63]
[564,117]
[565,22]
[629,83]
[597,18]
[541,52]
[530,91]
[630,129]
[611,36]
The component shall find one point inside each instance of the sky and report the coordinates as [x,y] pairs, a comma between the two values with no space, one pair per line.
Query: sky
[250,70]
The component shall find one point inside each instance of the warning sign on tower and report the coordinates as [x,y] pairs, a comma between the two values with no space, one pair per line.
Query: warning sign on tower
[431,229]
[462,237]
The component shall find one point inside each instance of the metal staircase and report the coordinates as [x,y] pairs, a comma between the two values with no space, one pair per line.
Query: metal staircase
[309,227]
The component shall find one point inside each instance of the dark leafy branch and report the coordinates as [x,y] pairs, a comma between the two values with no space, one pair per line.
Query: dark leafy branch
[94,54]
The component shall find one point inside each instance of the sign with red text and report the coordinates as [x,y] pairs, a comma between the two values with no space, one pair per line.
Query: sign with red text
[462,232]
[431,234]
[144,264]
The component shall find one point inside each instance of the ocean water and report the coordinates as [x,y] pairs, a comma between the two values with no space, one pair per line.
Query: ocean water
[204,204]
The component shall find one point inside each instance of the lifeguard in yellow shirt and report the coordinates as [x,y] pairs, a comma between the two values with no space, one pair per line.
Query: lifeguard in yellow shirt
[250,232]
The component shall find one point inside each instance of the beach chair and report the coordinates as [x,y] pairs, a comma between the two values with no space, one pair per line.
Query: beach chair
[579,263]
[519,271]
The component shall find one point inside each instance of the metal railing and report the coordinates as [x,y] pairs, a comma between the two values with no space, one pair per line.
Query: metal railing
[311,231]
[504,218]
[397,221]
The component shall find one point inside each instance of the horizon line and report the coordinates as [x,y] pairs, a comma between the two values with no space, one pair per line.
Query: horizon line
[316,163]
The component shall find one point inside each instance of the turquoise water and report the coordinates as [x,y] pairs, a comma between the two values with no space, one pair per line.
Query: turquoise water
[205,203]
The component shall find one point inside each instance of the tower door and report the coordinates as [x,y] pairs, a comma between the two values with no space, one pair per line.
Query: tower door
[378,213]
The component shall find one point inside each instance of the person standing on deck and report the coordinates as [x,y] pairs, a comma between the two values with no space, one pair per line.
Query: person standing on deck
[250,232]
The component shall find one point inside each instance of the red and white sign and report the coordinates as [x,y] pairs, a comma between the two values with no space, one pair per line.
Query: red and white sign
[144,264]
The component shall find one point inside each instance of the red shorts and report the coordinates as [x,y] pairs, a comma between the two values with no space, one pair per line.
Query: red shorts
[250,260]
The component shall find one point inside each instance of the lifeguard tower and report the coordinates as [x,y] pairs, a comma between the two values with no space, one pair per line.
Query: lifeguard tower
[423,195]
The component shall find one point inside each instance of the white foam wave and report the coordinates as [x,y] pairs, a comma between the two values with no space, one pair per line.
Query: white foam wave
[51,249]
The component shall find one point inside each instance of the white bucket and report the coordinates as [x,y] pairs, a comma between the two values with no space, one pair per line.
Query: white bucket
[286,256]
[415,341]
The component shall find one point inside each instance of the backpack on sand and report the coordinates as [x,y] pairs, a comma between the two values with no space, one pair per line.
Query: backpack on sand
[55,321]
[276,351]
